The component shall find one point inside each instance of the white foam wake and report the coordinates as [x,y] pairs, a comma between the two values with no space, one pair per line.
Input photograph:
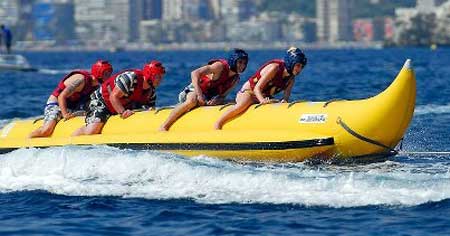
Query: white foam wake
[52,71]
[103,171]
[4,122]
[432,109]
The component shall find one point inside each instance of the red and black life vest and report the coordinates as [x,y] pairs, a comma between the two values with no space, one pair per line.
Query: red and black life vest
[77,97]
[211,88]
[138,96]
[277,84]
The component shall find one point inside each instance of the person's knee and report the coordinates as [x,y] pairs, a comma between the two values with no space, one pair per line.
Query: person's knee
[191,97]
[191,102]
[94,128]
[48,128]
[242,104]
[46,131]
[90,130]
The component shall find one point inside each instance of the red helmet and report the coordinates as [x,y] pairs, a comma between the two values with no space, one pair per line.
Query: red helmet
[99,69]
[153,68]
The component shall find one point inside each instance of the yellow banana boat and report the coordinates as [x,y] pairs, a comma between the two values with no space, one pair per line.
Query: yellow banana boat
[274,132]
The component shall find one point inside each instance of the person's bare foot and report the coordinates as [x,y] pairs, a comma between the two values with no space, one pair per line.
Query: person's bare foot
[218,126]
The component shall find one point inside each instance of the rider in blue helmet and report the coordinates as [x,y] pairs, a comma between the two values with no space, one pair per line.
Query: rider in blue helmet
[234,56]
[210,84]
[271,78]
[292,57]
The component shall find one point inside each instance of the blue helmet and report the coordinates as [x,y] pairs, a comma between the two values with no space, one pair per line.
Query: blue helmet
[234,56]
[293,56]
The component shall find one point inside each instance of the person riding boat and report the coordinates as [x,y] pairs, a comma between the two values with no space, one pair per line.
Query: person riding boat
[120,94]
[210,85]
[271,78]
[71,94]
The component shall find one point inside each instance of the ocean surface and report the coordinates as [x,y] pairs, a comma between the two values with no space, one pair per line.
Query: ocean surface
[107,191]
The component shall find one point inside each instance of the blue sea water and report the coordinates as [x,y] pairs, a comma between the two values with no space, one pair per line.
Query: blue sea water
[107,191]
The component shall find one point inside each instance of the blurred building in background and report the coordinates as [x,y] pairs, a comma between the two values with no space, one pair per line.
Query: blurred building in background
[24,27]
[334,20]
[104,21]
[429,21]
[150,9]
[374,29]
[123,23]
[9,12]
[363,30]
[53,21]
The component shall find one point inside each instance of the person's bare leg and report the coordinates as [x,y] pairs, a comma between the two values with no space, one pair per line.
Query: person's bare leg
[93,128]
[243,101]
[178,111]
[44,131]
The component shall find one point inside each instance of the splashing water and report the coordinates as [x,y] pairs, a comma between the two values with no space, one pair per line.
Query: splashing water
[432,109]
[105,171]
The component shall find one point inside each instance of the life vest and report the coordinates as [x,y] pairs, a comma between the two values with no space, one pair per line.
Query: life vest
[211,88]
[137,96]
[77,97]
[274,86]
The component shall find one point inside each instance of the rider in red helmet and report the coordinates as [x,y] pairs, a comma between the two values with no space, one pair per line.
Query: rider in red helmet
[120,94]
[101,70]
[71,94]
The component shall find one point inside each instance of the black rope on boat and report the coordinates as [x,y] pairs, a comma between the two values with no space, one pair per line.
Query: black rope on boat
[331,101]
[295,102]
[270,102]
[79,113]
[162,109]
[226,105]
[365,139]
[38,119]
[76,114]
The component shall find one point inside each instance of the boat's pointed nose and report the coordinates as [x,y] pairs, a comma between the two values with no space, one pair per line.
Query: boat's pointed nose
[408,64]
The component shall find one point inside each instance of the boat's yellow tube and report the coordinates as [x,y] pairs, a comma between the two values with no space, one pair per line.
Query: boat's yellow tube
[275,132]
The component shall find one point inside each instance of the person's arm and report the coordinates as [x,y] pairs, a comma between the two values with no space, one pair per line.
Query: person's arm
[73,84]
[220,99]
[216,100]
[115,97]
[287,91]
[124,86]
[151,103]
[215,69]
[267,74]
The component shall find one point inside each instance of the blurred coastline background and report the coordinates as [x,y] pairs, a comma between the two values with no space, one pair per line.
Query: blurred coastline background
[98,190]
[115,25]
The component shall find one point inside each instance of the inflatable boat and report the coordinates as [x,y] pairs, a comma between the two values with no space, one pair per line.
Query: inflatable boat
[273,132]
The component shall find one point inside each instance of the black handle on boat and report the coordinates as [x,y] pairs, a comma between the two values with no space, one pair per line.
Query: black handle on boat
[141,109]
[79,113]
[226,105]
[331,101]
[162,108]
[76,113]
[295,102]
[38,119]
[270,102]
